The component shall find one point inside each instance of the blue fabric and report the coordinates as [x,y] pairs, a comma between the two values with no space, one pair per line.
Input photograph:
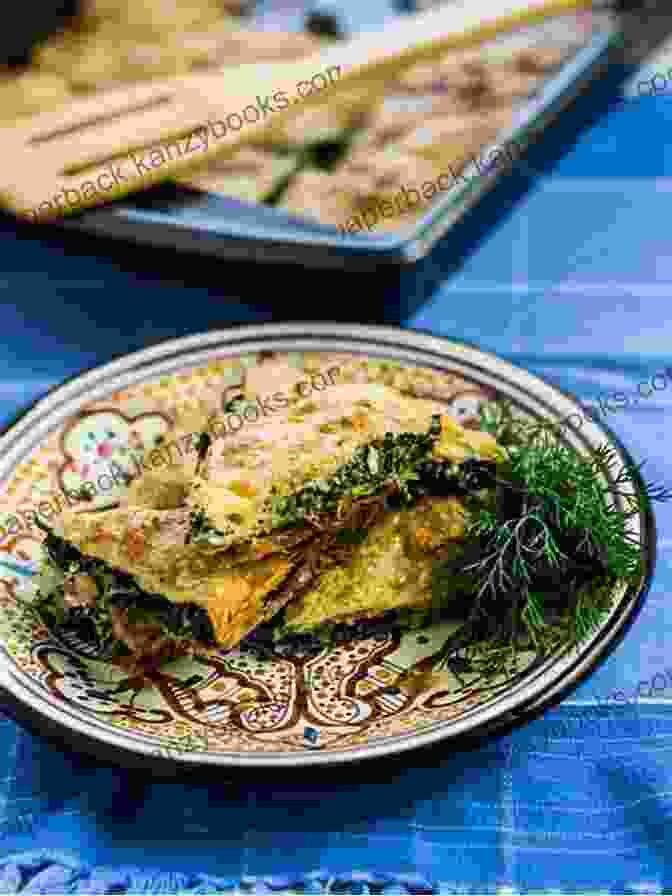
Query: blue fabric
[573,282]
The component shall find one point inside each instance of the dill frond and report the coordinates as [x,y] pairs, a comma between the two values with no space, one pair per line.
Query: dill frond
[544,554]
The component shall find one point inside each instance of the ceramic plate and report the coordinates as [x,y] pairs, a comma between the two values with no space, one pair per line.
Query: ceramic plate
[232,708]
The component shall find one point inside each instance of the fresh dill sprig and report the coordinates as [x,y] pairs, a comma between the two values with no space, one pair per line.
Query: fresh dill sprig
[543,554]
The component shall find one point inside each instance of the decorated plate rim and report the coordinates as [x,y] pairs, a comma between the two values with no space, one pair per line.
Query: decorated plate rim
[550,682]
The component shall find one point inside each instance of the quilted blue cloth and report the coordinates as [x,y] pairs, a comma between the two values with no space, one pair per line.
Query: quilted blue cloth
[572,281]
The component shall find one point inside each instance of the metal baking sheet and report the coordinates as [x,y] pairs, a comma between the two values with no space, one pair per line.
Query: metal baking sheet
[169,216]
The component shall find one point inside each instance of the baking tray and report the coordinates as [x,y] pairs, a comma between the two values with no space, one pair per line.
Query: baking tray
[186,220]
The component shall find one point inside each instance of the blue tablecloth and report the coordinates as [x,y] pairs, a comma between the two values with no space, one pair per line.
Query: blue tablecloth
[573,282]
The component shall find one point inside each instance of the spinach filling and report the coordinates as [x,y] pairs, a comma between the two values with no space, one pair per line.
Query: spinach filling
[275,638]
[395,460]
[181,622]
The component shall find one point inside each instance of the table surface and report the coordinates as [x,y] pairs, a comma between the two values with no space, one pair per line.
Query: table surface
[566,270]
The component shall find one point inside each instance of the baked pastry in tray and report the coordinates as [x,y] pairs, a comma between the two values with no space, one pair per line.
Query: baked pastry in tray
[331,163]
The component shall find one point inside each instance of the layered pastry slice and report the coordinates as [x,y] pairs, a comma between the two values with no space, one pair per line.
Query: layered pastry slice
[331,508]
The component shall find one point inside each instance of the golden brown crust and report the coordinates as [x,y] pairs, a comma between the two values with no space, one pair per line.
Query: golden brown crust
[246,580]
